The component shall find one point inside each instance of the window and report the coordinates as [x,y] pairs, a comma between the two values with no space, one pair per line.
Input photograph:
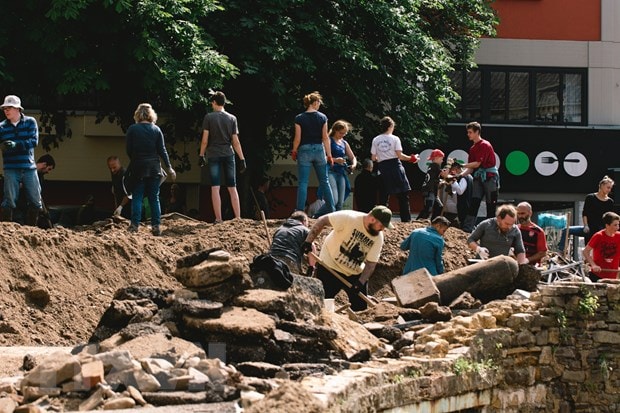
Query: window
[495,94]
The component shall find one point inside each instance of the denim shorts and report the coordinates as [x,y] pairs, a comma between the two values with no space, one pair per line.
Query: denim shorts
[225,163]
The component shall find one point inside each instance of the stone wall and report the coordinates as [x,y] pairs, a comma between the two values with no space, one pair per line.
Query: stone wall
[556,352]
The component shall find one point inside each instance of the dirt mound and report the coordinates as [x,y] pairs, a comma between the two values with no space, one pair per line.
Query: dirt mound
[55,284]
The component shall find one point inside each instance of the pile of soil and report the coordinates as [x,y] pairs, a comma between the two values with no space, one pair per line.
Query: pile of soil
[55,284]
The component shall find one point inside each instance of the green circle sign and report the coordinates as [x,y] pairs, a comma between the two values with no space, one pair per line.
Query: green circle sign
[517,163]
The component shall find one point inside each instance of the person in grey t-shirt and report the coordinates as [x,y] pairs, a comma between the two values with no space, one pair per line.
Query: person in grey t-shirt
[220,136]
[496,236]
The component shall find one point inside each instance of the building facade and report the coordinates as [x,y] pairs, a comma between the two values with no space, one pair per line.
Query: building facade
[547,92]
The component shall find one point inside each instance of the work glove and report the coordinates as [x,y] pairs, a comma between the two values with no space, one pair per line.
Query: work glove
[586,229]
[242,166]
[482,252]
[294,155]
[356,287]
[173,174]
[306,247]
[8,145]
[118,210]
[414,158]
[202,161]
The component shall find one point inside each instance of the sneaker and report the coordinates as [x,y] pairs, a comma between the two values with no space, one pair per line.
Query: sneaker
[217,221]
[132,228]
[156,231]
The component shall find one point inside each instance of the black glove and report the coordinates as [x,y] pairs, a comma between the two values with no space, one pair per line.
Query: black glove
[356,286]
[242,166]
[306,247]
[8,145]
[202,161]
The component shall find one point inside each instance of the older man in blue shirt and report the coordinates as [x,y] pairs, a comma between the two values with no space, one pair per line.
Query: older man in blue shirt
[425,247]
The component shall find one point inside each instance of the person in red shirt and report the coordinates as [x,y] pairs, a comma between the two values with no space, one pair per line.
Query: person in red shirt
[534,239]
[481,165]
[603,250]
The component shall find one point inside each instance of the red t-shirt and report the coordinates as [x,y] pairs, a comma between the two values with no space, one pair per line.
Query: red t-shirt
[606,253]
[533,239]
[482,152]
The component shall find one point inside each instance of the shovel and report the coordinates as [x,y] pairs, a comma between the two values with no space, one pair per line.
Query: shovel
[343,280]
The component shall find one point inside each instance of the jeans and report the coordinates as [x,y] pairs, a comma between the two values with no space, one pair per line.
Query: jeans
[229,170]
[572,230]
[313,155]
[338,184]
[150,185]
[29,180]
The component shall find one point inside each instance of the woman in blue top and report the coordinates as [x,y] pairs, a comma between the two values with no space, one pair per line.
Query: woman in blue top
[145,145]
[344,162]
[311,149]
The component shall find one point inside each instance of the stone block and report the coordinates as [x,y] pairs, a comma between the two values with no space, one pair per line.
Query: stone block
[353,339]
[519,321]
[210,272]
[7,405]
[574,376]
[606,337]
[235,321]
[415,289]
[92,373]
[119,403]
[53,370]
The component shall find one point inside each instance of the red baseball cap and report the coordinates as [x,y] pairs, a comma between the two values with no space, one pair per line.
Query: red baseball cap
[436,153]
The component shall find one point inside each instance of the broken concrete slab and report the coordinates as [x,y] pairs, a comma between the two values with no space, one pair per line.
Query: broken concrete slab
[211,272]
[160,346]
[243,322]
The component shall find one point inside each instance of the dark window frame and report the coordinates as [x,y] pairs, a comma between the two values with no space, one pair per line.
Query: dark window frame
[485,72]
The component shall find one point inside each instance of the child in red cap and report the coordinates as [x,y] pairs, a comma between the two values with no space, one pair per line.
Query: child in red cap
[432,204]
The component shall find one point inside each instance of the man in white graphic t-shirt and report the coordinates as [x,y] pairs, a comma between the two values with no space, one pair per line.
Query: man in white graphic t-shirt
[351,249]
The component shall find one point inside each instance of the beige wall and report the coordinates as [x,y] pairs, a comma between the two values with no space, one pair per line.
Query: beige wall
[83,157]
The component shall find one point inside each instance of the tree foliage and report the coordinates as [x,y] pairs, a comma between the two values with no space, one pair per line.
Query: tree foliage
[369,58]
[110,55]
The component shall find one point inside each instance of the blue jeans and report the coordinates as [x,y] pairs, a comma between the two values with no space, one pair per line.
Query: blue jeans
[228,162]
[313,155]
[150,185]
[572,230]
[30,184]
[338,184]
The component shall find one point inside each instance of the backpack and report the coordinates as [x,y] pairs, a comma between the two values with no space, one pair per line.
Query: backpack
[276,269]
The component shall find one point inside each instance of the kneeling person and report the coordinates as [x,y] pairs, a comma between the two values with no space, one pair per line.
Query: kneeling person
[288,241]
[351,249]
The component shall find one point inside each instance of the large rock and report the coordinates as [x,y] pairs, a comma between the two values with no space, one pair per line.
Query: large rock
[157,346]
[487,280]
[237,321]
[211,272]
[53,370]
[303,299]
[415,289]
[353,339]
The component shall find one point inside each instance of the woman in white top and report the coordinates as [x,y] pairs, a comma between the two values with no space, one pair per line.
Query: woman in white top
[387,150]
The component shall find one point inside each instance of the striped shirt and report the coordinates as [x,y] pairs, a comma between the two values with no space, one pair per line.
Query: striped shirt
[26,137]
